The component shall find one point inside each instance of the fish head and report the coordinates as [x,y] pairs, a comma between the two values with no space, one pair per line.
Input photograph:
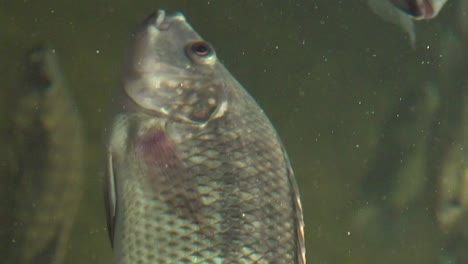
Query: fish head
[420,9]
[172,71]
[40,83]
[41,72]
[38,76]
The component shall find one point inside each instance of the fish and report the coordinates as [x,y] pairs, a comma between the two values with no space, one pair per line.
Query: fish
[46,169]
[405,12]
[402,147]
[451,189]
[420,9]
[448,190]
[462,18]
[196,172]
[395,179]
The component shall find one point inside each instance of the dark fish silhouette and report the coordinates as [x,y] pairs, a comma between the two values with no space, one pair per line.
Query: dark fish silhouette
[46,175]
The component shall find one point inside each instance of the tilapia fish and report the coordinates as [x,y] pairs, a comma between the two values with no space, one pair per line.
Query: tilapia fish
[405,12]
[196,172]
[452,181]
[46,176]
[420,9]
[396,178]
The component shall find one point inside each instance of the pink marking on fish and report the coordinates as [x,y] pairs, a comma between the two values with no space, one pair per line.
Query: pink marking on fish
[157,149]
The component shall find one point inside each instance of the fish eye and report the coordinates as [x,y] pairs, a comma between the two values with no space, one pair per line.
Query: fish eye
[201,52]
[201,49]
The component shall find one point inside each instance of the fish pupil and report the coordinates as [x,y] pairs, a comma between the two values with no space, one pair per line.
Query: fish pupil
[201,49]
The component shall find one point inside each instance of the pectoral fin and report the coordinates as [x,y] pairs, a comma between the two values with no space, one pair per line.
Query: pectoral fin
[110,197]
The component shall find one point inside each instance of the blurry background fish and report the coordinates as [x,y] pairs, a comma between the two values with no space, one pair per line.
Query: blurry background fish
[449,164]
[44,178]
[396,178]
[462,17]
[440,182]
[404,12]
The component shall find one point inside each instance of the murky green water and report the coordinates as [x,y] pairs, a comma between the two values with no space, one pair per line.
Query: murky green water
[328,73]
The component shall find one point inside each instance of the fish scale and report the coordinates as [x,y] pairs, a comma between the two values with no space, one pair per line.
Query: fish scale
[202,181]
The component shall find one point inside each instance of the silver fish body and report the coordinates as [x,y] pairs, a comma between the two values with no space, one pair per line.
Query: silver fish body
[197,173]
[47,174]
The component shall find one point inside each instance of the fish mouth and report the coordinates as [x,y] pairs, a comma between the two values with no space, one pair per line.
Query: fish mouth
[162,21]
[417,9]
[427,10]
